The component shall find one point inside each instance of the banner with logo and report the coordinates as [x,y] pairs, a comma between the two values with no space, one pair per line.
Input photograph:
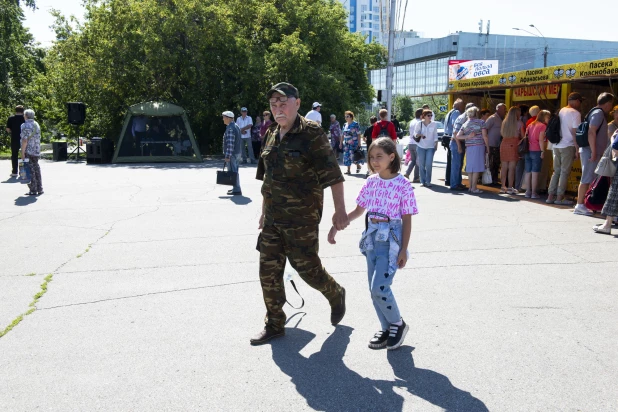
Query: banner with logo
[553,74]
[471,69]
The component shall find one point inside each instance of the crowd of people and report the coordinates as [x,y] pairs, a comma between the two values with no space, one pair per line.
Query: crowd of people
[510,146]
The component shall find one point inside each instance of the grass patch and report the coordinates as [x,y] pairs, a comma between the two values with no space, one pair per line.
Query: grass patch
[31,306]
[87,250]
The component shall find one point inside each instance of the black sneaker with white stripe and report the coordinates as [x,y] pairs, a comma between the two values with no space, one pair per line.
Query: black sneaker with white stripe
[379,340]
[396,335]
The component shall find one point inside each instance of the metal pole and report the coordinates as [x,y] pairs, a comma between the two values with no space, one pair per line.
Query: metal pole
[545,57]
[391,59]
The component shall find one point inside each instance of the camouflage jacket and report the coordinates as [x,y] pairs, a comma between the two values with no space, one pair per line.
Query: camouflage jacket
[295,171]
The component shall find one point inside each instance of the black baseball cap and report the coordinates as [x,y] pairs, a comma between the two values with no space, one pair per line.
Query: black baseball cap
[283,88]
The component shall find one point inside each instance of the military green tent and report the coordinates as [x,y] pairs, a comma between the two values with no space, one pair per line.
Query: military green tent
[156,132]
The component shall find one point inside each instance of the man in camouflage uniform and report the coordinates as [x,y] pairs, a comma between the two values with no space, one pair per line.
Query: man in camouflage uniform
[296,165]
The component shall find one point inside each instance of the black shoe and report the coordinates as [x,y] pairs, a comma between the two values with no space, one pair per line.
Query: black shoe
[396,335]
[236,193]
[447,183]
[459,188]
[379,340]
[40,193]
[338,311]
[265,335]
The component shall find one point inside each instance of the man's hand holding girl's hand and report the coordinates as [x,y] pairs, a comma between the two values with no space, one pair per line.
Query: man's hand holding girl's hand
[331,235]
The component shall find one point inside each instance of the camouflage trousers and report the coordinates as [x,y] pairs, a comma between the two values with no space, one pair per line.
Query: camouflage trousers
[300,245]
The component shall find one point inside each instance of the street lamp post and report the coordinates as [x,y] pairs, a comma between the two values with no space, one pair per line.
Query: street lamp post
[536,35]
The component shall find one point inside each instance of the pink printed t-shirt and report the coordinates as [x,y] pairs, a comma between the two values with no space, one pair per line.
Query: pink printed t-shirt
[534,132]
[393,198]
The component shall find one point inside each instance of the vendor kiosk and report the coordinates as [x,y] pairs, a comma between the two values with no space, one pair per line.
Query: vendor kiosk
[547,88]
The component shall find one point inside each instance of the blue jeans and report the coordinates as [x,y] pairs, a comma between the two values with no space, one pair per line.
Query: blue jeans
[413,162]
[456,165]
[380,283]
[425,163]
[234,168]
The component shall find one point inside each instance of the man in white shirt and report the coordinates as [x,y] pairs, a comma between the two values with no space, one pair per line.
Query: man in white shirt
[315,114]
[566,150]
[245,123]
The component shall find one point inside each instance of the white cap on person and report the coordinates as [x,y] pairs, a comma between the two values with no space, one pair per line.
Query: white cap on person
[227,113]
[316,104]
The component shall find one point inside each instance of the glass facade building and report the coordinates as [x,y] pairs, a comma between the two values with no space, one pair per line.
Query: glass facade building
[423,68]
[413,79]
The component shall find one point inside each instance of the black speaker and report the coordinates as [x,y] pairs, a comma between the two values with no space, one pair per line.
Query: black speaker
[99,151]
[76,112]
[379,95]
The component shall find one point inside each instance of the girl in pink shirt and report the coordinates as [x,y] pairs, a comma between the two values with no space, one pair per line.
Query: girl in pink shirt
[388,198]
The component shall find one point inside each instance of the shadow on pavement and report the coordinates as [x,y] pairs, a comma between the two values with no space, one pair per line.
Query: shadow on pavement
[11,180]
[25,200]
[206,164]
[328,384]
[239,200]
[429,385]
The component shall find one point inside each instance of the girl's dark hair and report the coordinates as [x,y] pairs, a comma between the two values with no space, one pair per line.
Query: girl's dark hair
[373,119]
[387,145]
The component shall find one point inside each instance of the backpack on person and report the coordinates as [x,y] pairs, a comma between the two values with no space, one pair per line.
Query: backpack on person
[383,130]
[597,193]
[581,135]
[552,133]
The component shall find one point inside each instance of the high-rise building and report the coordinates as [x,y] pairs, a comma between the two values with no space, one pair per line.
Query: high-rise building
[370,18]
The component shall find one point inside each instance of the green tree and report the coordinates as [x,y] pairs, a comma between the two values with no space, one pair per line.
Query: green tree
[207,56]
[20,59]
[403,108]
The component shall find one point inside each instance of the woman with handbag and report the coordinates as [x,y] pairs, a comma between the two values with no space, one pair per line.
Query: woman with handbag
[512,132]
[474,132]
[426,135]
[536,148]
[350,143]
[610,208]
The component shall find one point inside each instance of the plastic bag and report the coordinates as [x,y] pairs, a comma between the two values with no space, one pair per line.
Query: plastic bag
[486,179]
[24,171]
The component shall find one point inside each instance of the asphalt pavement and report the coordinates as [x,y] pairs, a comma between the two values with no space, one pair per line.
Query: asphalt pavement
[154,295]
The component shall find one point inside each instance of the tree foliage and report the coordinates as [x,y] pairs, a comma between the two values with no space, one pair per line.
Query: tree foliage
[403,108]
[20,58]
[205,55]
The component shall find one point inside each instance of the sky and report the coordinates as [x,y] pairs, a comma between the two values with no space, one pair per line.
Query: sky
[551,19]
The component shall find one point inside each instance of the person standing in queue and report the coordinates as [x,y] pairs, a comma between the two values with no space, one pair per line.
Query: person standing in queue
[449,122]
[296,165]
